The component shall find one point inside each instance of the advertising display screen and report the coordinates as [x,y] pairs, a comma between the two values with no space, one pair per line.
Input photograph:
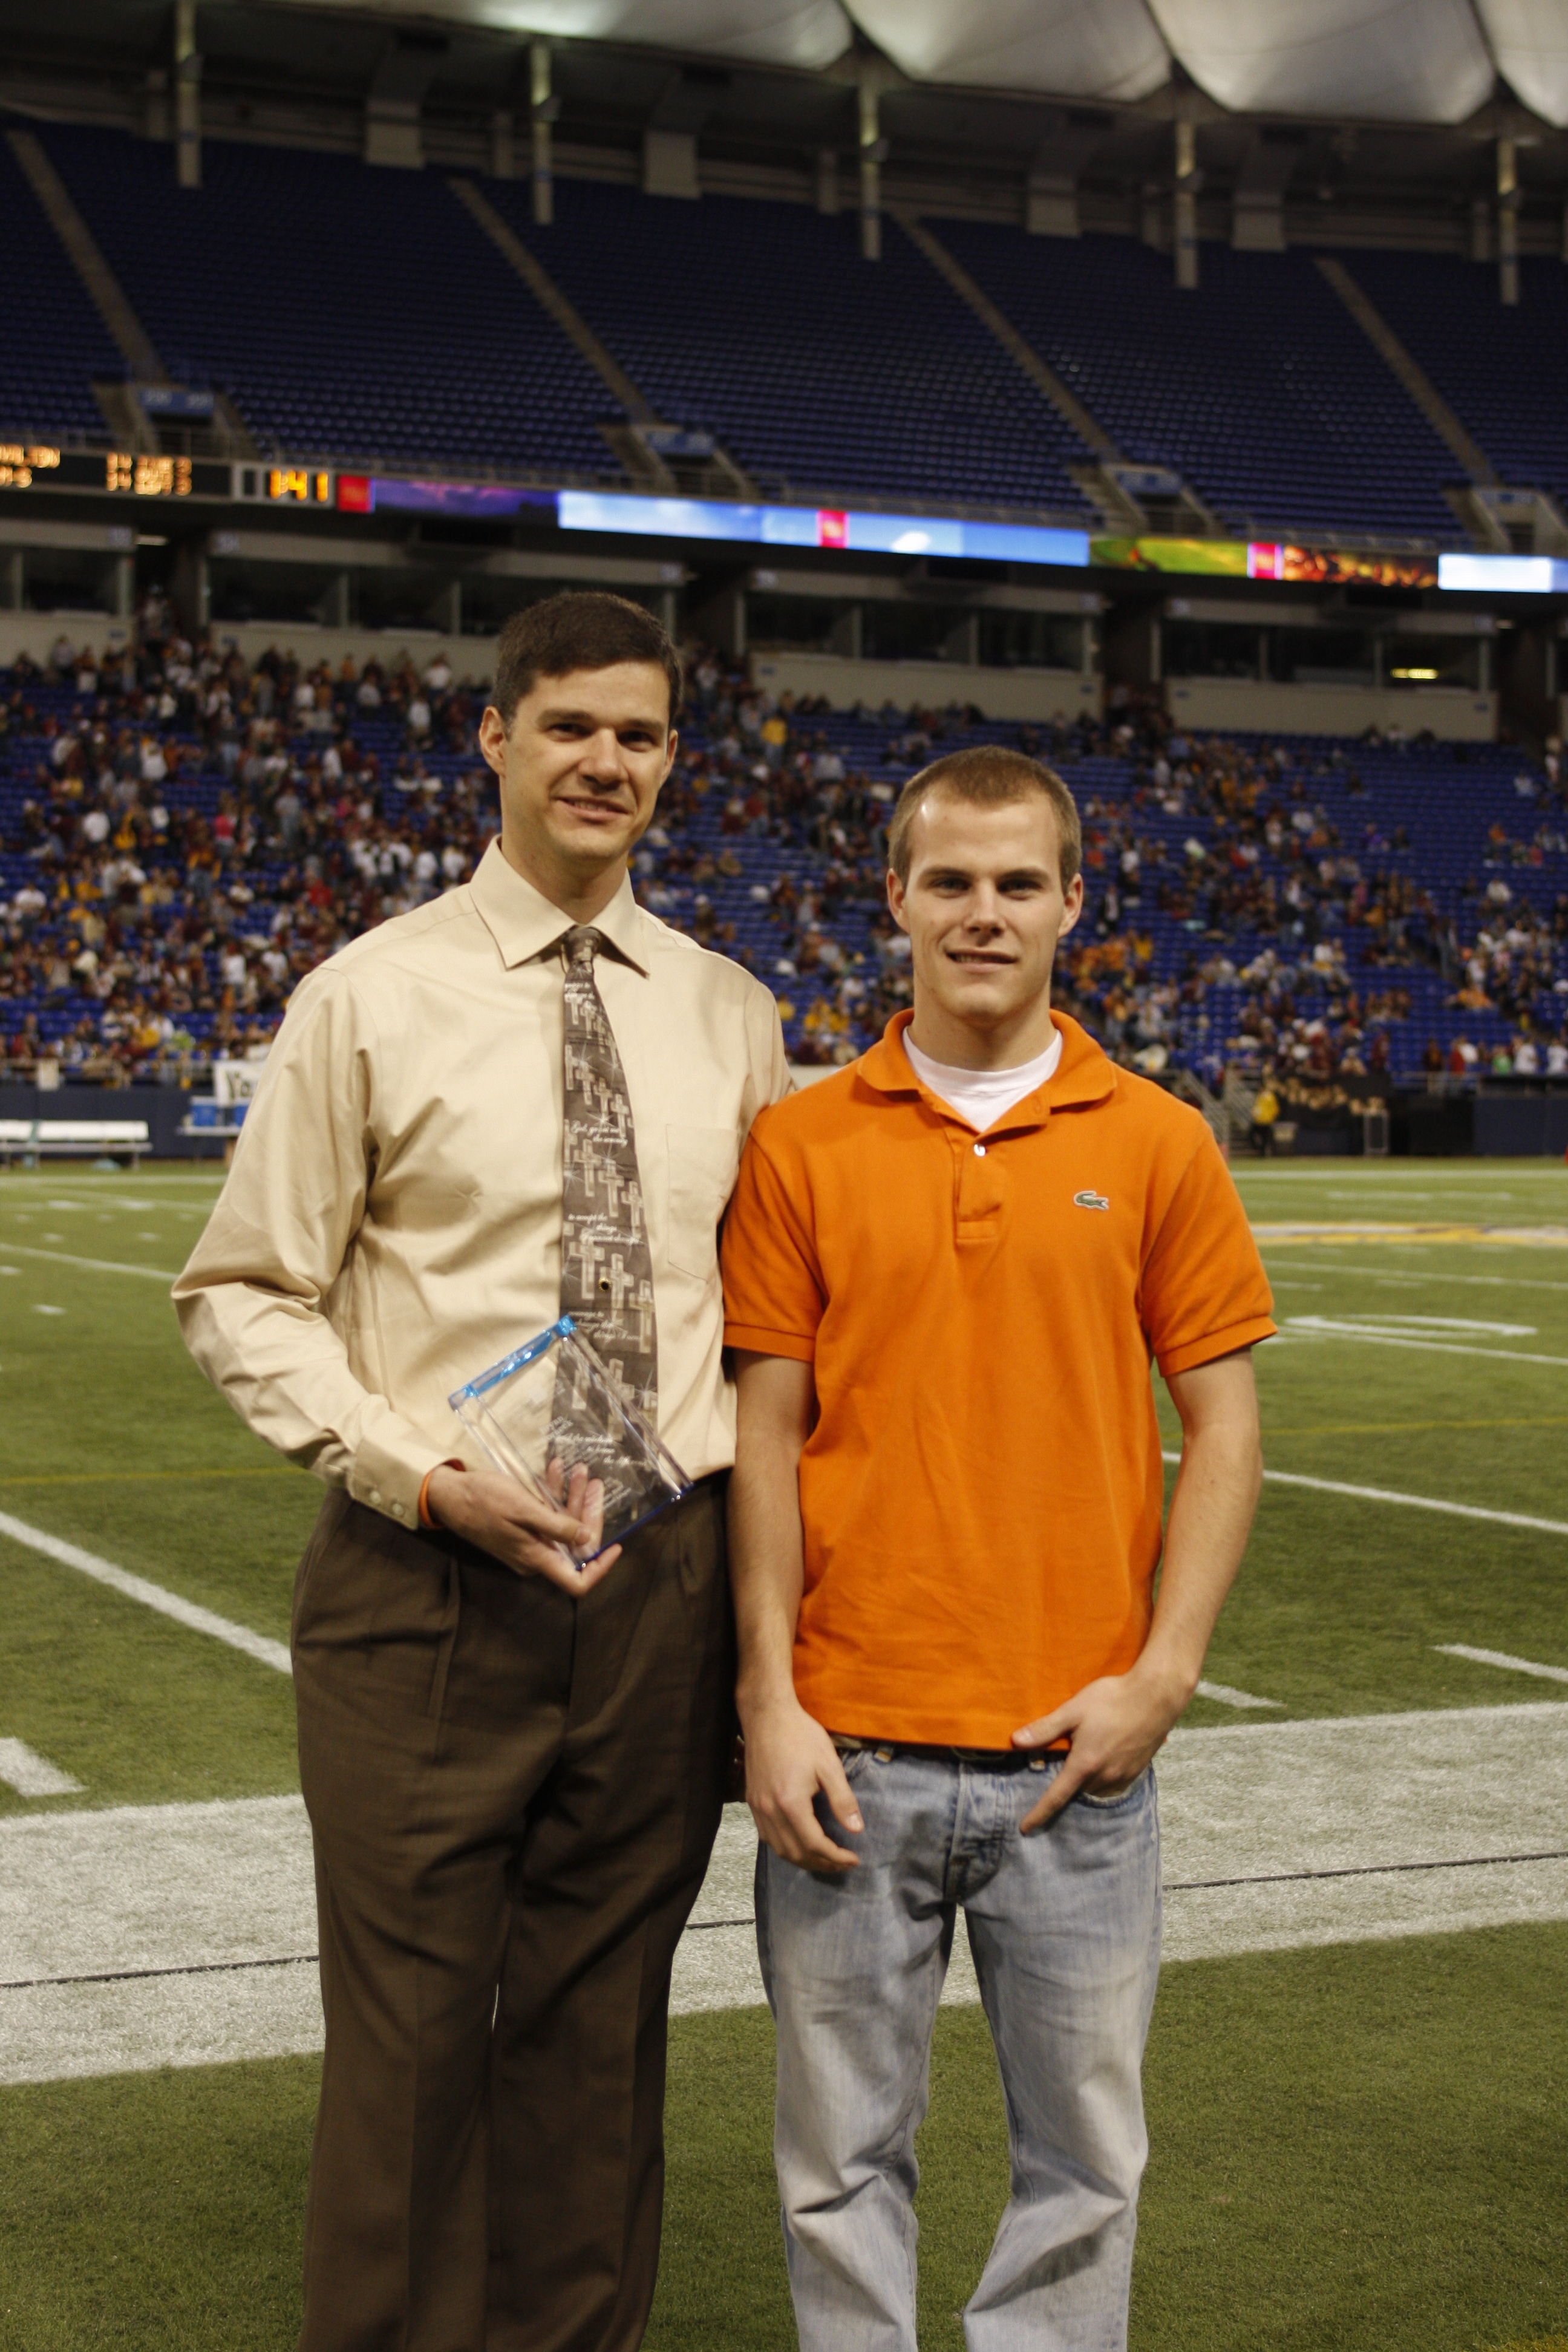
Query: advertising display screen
[1219,558]
[1240,559]
[1339,567]
[477,500]
[857,533]
[1504,575]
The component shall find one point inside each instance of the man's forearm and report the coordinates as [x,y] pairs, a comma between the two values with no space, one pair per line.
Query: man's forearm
[1216,1492]
[767,1569]
[791,1763]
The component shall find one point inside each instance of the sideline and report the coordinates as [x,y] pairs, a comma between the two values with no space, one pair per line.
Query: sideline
[1412,1502]
[179,1935]
[152,1596]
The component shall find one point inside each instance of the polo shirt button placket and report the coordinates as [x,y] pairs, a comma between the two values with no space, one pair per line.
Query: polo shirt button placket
[980,1152]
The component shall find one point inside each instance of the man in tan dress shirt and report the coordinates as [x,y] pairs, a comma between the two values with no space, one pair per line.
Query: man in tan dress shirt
[513,1767]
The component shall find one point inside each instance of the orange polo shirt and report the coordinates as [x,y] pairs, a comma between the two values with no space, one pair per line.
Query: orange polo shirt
[982,1494]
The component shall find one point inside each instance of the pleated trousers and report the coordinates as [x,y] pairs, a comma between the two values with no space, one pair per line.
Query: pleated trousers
[513,1795]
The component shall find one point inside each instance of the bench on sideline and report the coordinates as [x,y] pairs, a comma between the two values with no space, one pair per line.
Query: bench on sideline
[73,1139]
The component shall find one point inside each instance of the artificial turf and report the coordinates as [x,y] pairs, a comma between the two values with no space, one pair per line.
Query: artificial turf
[1354,2149]
[1352,2146]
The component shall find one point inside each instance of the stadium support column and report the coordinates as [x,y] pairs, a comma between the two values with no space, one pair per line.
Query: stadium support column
[1506,219]
[1186,208]
[545,109]
[187,97]
[873,152]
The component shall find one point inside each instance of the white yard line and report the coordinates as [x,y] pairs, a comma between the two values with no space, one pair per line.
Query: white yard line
[1473,1281]
[152,1596]
[1411,1502]
[89,1265]
[1224,1696]
[32,1775]
[184,1935]
[1501,1658]
[1304,1233]
[1322,1326]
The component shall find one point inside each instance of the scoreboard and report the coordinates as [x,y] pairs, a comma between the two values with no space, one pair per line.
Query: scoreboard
[143,474]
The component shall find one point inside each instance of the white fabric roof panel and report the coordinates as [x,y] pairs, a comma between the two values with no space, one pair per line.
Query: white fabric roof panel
[1530,42]
[1367,61]
[806,33]
[1392,60]
[1107,49]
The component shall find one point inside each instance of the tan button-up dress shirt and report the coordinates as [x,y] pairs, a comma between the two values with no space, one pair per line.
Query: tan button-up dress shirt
[391,1225]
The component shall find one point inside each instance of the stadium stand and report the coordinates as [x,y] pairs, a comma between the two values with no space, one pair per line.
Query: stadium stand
[46,375]
[1257,388]
[183,838]
[359,314]
[1499,368]
[760,322]
[348,313]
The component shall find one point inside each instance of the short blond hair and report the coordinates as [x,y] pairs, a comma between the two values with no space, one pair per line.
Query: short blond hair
[987,776]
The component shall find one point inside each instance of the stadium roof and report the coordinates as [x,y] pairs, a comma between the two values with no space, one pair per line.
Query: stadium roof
[1365,121]
[1431,61]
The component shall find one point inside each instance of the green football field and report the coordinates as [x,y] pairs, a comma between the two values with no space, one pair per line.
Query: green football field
[1355,2112]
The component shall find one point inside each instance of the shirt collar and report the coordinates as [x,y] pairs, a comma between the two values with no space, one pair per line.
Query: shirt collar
[524,923]
[1084,1074]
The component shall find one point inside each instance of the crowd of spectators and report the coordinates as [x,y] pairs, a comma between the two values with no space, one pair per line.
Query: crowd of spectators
[185,834]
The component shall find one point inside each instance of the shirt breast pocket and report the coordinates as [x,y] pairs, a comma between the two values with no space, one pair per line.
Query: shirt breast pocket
[700,1164]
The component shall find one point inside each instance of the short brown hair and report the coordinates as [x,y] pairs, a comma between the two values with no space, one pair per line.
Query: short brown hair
[987,776]
[583,628]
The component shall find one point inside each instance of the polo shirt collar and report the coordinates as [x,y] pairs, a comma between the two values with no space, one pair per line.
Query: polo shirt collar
[1084,1074]
[524,923]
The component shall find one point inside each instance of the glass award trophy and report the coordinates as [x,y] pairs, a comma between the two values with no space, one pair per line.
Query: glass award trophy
[551,1416]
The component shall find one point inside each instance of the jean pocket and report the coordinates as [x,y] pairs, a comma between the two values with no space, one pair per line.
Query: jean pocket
[1114,1800]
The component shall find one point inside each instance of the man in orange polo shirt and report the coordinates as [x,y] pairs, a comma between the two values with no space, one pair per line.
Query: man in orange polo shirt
[946,1270]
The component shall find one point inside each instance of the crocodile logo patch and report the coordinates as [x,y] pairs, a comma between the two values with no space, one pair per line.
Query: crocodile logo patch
[1089,1201]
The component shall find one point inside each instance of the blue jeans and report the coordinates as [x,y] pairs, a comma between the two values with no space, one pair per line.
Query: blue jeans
[1064,1928]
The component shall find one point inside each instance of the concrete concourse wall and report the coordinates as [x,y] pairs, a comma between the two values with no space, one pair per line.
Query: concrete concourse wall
[1036,694]
[1247,706]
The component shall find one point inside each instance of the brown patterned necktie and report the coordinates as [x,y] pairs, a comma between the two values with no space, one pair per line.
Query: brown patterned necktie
[606,1270]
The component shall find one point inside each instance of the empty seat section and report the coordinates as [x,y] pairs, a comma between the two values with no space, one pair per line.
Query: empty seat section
[54,342]
[1500,368]
[351,312]
[1257,386]
[819,372]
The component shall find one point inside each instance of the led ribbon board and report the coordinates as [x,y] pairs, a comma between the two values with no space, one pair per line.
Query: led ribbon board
[859,533]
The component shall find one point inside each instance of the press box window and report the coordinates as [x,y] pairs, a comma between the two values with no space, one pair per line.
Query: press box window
[1030,641]
[1322,657]
[1209,649]
[1433,661]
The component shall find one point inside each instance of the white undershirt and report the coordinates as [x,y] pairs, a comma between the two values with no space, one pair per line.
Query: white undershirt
[982,1097]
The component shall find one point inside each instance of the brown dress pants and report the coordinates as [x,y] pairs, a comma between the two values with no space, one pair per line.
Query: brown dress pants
[513,1796]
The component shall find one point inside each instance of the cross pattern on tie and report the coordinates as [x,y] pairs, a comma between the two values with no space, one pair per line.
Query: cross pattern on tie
[607,1269]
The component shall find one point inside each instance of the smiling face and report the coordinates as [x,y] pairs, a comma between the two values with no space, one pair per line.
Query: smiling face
[983,907]
[580,770]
